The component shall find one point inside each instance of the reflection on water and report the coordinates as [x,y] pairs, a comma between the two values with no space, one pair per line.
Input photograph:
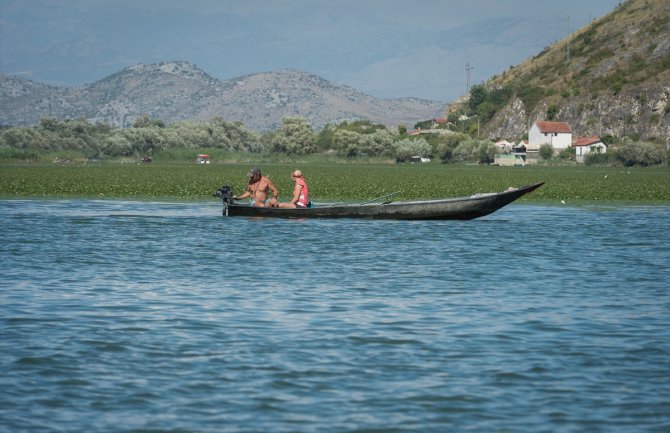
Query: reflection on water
[122,316]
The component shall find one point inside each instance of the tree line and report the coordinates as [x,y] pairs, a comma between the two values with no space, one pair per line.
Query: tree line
[148,137]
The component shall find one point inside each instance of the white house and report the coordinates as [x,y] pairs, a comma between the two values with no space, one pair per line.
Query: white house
[585,145]
[556,134]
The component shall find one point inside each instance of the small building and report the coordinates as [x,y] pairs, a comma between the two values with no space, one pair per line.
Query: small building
[509,159]
[507,154]
[202,159]
[520,152]
[556,134]
[585,145]
[503,146]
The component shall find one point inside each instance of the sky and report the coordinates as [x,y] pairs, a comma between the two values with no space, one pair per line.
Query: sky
[384,48]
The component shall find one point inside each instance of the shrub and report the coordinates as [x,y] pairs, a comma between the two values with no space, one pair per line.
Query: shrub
[546,151]
[568,153]
[333,136]
[7,152]
[23,138]
[594,158]
[486,110]
[445,149]
[640,153]
[294,136]
[485,102]
[117,145]
[480,151]
[530,95]
[405,149]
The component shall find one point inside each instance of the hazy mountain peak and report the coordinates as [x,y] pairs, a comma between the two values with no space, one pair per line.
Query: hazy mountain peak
[178,90]
[178,68]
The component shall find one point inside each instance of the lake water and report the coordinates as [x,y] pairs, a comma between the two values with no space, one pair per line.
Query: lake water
[119,316]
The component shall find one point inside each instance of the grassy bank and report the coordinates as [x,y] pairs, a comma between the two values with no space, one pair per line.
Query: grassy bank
[333,181]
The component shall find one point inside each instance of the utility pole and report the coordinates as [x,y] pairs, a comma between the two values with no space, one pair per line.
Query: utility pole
[468,68]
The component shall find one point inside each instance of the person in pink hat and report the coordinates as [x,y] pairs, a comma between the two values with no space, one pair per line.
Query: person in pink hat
[300,192]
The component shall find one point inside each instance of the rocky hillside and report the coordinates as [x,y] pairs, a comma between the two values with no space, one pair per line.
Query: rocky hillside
[611,77]
[175,91]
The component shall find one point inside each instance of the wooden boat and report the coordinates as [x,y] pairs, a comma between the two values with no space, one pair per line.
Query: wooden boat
[457,208]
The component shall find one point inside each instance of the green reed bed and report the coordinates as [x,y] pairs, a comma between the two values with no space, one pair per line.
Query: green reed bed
[335,182]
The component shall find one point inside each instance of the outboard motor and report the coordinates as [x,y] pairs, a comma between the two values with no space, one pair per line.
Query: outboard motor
[225,193]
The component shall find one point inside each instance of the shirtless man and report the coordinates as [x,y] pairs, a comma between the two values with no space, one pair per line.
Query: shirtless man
[258,189]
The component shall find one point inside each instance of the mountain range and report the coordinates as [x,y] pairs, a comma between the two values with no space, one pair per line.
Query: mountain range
[177,91]
[387,49]
[611,77]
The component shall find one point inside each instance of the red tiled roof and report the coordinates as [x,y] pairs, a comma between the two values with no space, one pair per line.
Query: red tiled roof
[547,127]
[586,141]
[441,120]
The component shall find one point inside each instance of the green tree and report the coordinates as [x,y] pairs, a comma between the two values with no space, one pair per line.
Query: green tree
[357,138]
[145,121]
[445,148]
[50,124]
[189,135]
[324,140]
[472,150]
[640,153]
[116,144]
[347,143]
[235,136]
[405,149]
[454,117]
[546,151]
[145,140]
[552,111]
[596,158]
[568,153]
[379,143]
[294,136]
[23,138]
[529,95]
[486,110]
[478,94]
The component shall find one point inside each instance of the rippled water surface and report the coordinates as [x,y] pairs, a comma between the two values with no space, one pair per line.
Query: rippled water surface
[137,316]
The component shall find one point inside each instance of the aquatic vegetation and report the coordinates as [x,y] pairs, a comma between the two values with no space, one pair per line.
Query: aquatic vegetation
[340,182]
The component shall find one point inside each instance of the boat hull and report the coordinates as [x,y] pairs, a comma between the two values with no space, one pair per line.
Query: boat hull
[459,208]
